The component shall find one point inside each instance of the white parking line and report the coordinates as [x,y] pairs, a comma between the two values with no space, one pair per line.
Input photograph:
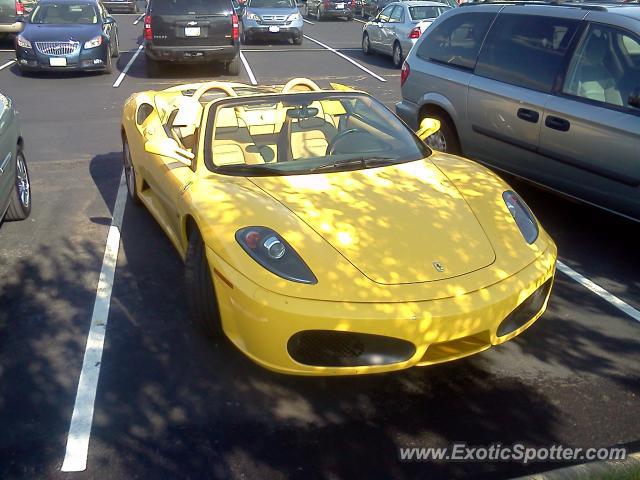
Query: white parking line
[75,458]
[127,66]
[350,60]
[358,20]
[601,292]
[8,64]
[135,22]
[307,21]
[248,69]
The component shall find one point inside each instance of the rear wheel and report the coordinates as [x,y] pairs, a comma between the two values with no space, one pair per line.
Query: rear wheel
[398,57]
[201,295]
[233,67]
[20,203]
[445,139]
[129,172]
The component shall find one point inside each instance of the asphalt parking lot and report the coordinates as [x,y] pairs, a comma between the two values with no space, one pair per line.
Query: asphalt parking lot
[172,404]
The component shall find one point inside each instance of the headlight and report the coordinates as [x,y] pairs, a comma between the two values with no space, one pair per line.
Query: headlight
[23,42]
[252,16]
[293,16]
[273,252]
[522,215]
[94,42]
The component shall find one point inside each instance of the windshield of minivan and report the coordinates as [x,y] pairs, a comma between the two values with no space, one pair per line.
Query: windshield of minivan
[272,3]
[307,133]
[53,14]
[190,7]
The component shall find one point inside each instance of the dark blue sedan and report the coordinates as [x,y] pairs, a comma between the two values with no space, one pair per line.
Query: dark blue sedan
[67,35]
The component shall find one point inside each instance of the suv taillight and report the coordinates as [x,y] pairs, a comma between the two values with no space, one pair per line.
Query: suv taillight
[19,8]
[353,4]
[148,33]
[415,33]
[404,73]
[326,3]
[235,32]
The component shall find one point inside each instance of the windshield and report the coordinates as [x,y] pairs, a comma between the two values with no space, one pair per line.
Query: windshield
[57,14]
[424,12]
[306,133]
[272,3]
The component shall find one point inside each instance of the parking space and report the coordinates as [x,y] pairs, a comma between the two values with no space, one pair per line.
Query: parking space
[172,403]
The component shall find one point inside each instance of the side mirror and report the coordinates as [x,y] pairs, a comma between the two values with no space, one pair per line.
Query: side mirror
[428,127]
[169,148]
[109,21]
[634,98]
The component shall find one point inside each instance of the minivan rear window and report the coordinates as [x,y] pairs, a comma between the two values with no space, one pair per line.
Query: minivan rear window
[190,7]
[526,50]
[457,40]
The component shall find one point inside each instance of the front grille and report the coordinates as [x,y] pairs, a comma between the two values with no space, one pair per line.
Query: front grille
[58,49]
[525,311]
[328,348]
[274,19]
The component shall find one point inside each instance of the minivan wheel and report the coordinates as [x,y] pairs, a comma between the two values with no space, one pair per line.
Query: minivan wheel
[397,55]
[445,139]
[233,67]
[366,46]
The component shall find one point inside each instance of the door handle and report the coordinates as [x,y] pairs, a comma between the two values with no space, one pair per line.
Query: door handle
[557,123]
[528,115]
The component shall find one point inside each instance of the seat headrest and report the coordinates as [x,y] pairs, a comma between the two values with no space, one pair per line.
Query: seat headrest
[226,118]
[189,112]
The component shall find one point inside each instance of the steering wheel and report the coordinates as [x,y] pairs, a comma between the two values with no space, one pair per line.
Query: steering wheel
[340,138]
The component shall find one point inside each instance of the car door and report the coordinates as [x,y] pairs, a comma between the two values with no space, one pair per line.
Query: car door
[519,62]
[375,35]
[388,29]
[7,161]
[590,138]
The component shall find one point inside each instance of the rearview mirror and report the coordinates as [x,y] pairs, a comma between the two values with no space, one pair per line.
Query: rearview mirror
[428,126]
[302,113]
[168,147]
[634,98]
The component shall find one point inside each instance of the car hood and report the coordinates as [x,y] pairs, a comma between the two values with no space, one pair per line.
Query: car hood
[398,224]
[273,11]
[60,33]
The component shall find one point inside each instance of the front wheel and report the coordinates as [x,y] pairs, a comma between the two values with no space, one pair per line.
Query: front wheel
[20,203]
[366,45]
[108,66]
[201,294]
[298,40]
[398,57]
[129,172]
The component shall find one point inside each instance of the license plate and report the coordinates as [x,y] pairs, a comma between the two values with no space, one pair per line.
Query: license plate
[339,6]
[274,29]
[193,54]
[192,31]
[58,61]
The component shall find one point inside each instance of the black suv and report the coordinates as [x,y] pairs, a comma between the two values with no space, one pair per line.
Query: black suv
[191,31]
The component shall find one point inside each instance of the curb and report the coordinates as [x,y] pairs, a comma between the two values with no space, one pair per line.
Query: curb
[627,469]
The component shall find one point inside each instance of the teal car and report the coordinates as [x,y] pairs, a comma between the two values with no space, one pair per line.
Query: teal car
[15,188]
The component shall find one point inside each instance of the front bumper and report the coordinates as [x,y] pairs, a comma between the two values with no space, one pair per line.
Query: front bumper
[263,324]
[254,29]
[192,53]
[344,12]
[92,59]
[11,27]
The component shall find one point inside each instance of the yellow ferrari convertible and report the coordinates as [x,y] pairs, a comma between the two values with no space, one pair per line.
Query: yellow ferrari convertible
[323,237]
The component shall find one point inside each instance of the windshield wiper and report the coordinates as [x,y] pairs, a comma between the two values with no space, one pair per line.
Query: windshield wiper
[243,169]
[364,162]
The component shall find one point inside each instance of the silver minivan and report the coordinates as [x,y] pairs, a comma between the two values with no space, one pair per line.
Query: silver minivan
[550,93]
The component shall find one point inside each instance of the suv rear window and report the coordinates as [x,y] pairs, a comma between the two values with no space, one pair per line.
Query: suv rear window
[457,40]
[190,7]
[526,50]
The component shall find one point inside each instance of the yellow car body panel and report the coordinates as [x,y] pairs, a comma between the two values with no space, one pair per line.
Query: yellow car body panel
[371,237]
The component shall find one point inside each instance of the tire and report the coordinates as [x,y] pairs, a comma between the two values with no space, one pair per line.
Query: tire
[115,52]
[153,67]
[24,72]
[366,46]
[398,56]
[233,67]
[201,295]
[129,173]
[245,39]
[108,65]
[20,203]
[319,15]
[298,40]
[350,18]
[445,139]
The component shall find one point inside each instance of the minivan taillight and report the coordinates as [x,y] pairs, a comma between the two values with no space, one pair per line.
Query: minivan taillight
[235,33]
[148,33]
[404,73]
[415,33]
[19,8]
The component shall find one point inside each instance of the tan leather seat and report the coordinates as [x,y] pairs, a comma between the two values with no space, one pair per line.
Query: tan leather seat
[233,144]
[310,137]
